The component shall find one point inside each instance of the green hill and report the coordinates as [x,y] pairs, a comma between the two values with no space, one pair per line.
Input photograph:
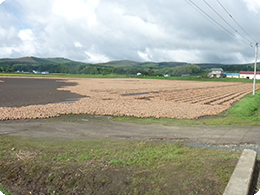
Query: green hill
[35,60]
[23,60]
[133,64]
[67,66]
[53,60]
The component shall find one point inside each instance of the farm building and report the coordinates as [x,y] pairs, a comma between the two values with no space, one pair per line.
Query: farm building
[216,72]
[249,75]
[232,75]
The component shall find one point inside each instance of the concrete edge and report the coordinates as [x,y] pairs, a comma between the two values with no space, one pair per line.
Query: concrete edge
[240,181]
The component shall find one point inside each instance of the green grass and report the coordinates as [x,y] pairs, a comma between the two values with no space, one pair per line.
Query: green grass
[190,78]
[4,191]
[246,108]
[67,166]
[195,78]
[244,112]
[65,75]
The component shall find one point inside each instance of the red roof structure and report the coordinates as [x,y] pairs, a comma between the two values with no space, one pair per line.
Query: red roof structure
[249,73]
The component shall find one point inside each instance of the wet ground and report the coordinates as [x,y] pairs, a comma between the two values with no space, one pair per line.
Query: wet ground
[17,92]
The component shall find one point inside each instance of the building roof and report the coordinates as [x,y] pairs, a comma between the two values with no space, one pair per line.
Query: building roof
[216,69]
[249,72]
[231,74]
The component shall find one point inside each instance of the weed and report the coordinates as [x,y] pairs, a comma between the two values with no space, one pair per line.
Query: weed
[83,157]
[4,191]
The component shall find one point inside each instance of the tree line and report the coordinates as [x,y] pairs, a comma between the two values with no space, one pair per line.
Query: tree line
[94,69]
[99,69]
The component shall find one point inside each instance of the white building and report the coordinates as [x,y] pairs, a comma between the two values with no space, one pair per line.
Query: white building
[249,75]
[216,72]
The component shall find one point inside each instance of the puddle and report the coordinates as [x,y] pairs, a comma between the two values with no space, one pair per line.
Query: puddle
[107,99]
[229,147]
[71,100]
[134,94]
[147,99]
[137,94]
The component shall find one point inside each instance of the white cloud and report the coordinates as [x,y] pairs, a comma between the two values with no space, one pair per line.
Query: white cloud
[27,47]
[95,56]
[26,35]
[78,44]
[1,1]
[252,5]
[76,9]
[258,1]
[144,56]
[102,30]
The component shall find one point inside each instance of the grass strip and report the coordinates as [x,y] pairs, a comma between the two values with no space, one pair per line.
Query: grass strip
[61,75]
[189,78]
[244,112]
[4,191]
[246,108]
[68,166]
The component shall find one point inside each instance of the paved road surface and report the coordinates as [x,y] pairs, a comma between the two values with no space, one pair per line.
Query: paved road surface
[223,137]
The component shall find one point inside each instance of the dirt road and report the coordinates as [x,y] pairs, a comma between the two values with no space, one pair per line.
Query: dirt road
[97,127]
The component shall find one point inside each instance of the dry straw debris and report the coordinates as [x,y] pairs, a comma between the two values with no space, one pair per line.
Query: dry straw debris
[139,98]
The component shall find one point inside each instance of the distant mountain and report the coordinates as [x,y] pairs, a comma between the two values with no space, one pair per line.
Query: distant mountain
[116,64]
[133,64]
[53,60]
[38,61]
[23,60]
[120,64]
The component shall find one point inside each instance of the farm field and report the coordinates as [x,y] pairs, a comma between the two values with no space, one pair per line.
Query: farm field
[137,97]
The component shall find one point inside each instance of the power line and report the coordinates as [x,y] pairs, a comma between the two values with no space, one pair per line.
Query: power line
[199,11]
[236,21]
[226,21]
[230,33]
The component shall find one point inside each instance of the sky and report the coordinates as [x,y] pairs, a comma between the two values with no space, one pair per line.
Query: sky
[95,31]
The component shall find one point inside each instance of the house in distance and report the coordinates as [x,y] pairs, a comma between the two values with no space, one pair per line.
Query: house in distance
[216,73]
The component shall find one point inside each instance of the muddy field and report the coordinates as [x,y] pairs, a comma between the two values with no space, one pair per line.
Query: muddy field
[133,97]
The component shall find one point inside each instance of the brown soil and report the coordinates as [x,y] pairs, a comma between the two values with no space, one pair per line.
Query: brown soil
[134,97]
[18,92]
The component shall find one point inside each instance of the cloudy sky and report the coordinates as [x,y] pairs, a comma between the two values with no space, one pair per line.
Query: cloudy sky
[194,31]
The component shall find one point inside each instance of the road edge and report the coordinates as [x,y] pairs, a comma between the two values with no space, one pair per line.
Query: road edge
[241,179]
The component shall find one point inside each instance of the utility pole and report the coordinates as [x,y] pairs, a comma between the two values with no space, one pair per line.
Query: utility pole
[256,53]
